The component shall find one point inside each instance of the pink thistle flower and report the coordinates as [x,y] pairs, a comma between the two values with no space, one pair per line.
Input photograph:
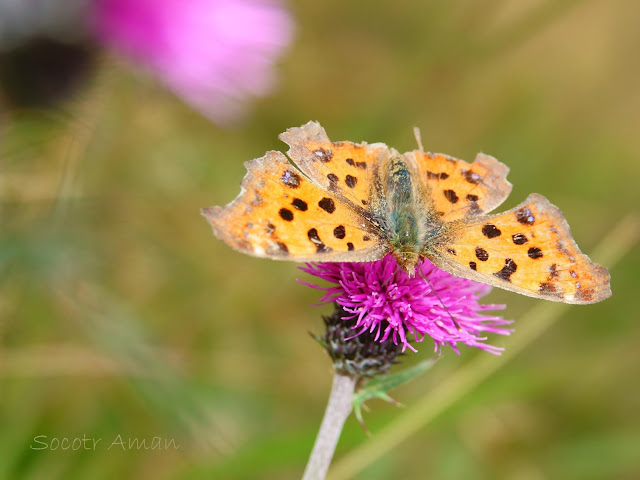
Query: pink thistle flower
[384,300]
[216,54]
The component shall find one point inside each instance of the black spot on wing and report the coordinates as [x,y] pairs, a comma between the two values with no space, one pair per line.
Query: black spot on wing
[322,154]
[472,198]
[525,217]
[491,231]
[471,176]
[290,179]
[450,195]
[286,214]
[482,254]
[339,232]
[472,265]
[327,205]
[300,204]
[519,239]
[438,176]
[350,246]
[313,236]
[333,180]
[535,253]
[351,181]
[283,247]
[509,268]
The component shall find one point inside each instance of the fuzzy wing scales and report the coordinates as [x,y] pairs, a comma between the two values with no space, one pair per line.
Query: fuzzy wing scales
[459,189]
[343,168]
[528,249]
[281,214]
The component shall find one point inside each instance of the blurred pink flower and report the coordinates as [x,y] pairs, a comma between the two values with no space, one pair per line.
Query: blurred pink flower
[385,301]
[216,54]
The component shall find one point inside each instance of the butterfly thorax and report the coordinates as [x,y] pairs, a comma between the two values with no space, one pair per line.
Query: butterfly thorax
[402,215]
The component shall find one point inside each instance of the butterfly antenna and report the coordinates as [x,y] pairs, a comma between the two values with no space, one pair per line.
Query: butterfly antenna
[416,133]
[424,277]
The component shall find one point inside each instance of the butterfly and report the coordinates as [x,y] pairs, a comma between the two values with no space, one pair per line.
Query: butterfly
[357,202]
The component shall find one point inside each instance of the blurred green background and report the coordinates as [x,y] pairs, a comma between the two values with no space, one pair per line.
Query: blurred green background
[121,314]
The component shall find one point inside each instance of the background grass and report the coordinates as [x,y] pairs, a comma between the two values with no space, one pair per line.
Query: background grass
[122,315]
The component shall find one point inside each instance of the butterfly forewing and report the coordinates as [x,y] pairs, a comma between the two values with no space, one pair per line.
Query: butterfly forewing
[343,168]
[281,214]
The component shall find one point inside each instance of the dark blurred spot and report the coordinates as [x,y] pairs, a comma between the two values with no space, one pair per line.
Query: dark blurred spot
[44,72]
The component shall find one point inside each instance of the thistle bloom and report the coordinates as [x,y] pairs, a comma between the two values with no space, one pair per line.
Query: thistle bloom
[216,54]
[384,300]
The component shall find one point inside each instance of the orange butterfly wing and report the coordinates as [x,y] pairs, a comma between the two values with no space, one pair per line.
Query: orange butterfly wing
[344,168]
[459,189]
[283,215]
[528,249]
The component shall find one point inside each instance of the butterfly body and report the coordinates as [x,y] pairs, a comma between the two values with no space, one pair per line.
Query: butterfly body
[348,202]
[402,219]
[402,216]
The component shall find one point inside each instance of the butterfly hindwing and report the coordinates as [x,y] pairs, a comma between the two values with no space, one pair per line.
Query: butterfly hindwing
[281,214]
[528,249]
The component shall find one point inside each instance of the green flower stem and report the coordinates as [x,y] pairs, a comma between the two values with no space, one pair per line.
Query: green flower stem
[338,409]
[620,240]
